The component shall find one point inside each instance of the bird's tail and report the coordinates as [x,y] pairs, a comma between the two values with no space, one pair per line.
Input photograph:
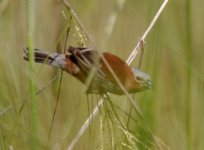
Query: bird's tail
[41,56]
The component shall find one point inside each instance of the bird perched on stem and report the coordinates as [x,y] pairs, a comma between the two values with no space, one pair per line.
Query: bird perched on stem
[87,64]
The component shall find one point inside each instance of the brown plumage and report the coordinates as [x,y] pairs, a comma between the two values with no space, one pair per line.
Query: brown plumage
[82,61]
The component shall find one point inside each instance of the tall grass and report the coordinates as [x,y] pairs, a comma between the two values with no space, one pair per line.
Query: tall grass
[189,74]
[173,56]
[32,90]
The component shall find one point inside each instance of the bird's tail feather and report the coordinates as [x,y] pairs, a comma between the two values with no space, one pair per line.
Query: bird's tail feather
[41,56]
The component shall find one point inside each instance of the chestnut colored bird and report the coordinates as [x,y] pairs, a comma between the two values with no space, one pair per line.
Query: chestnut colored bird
[81,62]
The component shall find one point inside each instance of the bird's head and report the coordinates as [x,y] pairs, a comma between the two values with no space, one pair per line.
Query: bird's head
[143,79]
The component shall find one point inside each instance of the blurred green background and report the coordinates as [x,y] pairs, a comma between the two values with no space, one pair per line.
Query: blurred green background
[174,57]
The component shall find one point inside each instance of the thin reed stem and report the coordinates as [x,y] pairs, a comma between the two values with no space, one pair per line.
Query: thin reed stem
[31,32]
[137,47]
[129,60]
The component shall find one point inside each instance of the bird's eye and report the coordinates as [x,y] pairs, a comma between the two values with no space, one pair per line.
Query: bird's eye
[139,78]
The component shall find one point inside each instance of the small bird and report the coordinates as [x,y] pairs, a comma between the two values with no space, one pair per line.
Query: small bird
[88,64]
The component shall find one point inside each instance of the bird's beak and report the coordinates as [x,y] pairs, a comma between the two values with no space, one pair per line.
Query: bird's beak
[148,84]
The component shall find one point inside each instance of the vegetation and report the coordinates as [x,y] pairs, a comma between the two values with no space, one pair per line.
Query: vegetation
[173,56]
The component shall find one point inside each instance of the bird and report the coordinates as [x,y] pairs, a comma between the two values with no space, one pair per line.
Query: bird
[102,69]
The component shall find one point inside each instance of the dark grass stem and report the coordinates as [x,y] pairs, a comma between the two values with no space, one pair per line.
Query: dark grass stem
[60,83]
[3,146]
[56,104]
